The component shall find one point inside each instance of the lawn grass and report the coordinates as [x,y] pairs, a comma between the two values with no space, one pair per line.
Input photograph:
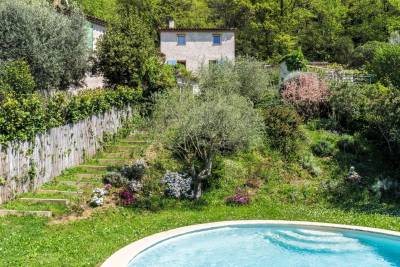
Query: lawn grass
[289,192]
[33,242]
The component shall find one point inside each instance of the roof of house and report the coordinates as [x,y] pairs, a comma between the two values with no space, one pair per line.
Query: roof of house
[96,20]
[197,29]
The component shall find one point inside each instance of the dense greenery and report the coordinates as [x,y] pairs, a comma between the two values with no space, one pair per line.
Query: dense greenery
[128,56]
[22,116]
[53,44]
[325,30]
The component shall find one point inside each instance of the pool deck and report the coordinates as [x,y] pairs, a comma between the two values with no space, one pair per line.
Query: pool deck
[124,256]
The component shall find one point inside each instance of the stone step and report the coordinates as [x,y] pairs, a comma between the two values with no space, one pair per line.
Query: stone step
[49,191]
[94,167]
[134,140]
[115,155]
[113,161]
[88,175]
[26,213]
[45,200]
[79,183]
[120,148]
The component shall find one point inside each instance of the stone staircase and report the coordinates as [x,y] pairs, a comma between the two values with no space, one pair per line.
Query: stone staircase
[72,190]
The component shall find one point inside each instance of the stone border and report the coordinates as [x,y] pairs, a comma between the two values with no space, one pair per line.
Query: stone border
[124,256]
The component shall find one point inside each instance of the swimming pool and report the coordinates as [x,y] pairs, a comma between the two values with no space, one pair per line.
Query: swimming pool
[269,244]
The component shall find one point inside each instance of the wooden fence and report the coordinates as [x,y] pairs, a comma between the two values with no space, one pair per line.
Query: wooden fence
[24,166]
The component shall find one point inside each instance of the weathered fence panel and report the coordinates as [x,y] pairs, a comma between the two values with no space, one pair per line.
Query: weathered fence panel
[24,166]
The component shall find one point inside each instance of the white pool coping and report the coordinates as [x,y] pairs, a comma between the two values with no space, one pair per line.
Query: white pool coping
[123,257]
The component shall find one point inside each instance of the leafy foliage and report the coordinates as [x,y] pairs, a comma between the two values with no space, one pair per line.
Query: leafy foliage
[56,51]
[22,116]
[295,61]
[282,128]
[127,56]
[16,76]
[386,64]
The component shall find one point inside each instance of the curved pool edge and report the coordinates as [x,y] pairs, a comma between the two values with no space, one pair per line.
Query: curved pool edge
[123,257]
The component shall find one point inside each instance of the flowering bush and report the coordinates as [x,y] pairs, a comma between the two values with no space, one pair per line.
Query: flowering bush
[98,197]
[238,199]
[127,198]
[306,92]
[114,179]
[135,171]
[135,186]
[178,185]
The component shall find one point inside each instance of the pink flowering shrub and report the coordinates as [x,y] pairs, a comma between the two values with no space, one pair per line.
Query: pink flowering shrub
[306,92]
[127,198]
[238,199]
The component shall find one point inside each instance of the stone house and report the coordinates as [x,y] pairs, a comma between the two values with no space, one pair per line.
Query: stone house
[195,47]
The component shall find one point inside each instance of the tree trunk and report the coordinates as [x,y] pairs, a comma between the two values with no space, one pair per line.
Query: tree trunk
[197,189]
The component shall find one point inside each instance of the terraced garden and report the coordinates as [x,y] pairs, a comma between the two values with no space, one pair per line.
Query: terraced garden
[69,193]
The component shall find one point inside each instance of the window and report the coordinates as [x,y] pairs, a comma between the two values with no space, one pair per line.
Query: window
[171,62]
[213,62]
[181,39]
[216,39]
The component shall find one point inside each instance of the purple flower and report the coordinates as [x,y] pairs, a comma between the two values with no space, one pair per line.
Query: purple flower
[127,198]
[238,199]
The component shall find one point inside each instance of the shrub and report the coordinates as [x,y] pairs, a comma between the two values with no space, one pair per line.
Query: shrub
[53,44]
[256,82]
[295,61]
[308,163]
[127,198]
[350,104]
[306,92]
[323,148]
[386,64]
[136,171]
[178,185]
[282,128]
[16,76]
[364,54]
[238,199]
[115,179]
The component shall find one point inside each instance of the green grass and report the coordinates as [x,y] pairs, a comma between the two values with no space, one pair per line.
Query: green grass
[31,241]
[289,192]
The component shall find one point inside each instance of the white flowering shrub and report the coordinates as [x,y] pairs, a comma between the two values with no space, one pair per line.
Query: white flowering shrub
[135,186]
[178,185]
[97,199]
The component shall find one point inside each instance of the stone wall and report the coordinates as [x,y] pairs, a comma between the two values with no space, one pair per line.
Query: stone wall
[24,166]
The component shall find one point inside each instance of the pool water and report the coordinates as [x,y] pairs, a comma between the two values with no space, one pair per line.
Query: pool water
[275,246]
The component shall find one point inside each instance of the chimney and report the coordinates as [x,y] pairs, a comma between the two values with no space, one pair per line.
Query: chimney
[171,24]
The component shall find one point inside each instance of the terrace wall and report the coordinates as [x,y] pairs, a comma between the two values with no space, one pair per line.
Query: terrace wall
[24,166]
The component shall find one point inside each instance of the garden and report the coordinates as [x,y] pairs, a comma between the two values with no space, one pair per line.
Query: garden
[251,144]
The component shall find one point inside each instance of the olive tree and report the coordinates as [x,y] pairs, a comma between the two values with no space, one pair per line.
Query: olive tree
[53,44]
[202,127]
[247,77]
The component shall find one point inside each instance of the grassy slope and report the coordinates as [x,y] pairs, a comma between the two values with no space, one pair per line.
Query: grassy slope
[288,193]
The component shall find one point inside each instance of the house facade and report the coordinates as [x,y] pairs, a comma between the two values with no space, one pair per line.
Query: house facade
[95,29]
[194,48]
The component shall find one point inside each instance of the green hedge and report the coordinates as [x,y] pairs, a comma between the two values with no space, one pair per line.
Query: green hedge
[22,116]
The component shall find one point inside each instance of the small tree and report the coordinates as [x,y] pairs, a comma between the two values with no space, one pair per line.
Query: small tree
[127,56]
[386,64]
[201,129]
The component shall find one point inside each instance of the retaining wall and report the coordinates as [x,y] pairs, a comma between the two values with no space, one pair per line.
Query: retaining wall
[24,166]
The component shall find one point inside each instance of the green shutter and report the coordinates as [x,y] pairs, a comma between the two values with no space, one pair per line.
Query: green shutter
[89,30]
